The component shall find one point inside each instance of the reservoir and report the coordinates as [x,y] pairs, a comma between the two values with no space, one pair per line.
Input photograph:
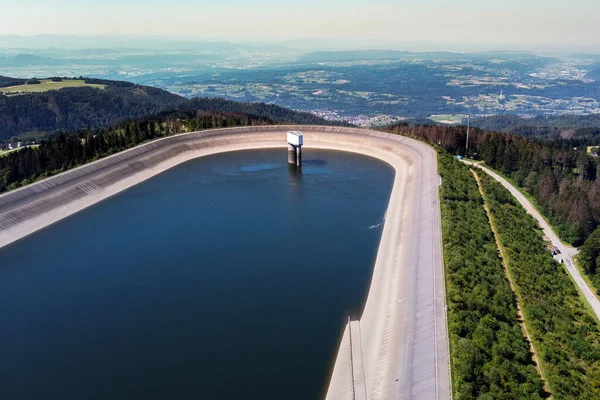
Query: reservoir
[226,277]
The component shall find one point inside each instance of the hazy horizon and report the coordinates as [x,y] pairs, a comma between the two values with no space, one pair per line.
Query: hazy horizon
[462,25]
[90,41]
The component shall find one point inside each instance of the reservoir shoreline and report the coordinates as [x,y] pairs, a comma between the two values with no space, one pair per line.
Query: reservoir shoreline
[399,345]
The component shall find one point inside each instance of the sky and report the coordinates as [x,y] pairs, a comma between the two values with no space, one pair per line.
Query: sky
[510,23]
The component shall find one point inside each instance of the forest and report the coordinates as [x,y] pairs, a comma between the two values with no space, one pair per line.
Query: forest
[490,357]
[563,330]
[81,108]
[589,258]
[562,180]
[576,130]
[268,111]
[65,151]
[6,81]
[37,116]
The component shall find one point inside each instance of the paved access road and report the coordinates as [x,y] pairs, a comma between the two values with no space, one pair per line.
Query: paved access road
[567,251]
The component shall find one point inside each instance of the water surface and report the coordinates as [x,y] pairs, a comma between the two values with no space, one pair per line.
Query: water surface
[227,277]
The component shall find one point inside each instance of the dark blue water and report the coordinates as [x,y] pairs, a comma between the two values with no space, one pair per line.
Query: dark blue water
[227,277]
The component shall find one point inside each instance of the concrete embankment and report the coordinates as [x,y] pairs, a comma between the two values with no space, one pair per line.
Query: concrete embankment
[398,348]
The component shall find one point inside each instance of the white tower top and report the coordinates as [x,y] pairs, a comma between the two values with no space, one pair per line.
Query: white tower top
[295,138]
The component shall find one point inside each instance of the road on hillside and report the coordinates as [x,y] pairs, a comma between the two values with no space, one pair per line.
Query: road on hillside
[567,251]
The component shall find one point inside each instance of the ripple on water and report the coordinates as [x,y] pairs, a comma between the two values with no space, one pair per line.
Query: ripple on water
[226,277]
[259,167]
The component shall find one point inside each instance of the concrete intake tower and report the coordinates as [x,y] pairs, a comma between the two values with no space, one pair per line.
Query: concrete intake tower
[295,141]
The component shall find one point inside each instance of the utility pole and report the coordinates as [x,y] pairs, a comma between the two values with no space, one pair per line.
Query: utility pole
[468,128]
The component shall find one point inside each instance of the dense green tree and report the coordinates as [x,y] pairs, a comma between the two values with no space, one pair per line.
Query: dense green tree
[68,150]
[565,334]
[589,254]
[41,115]
[490,357]
[561,178]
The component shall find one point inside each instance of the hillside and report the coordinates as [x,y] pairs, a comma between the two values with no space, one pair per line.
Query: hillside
[6,81]
[563,179]
[275,114]
[594,72]
[40,114]
[45,85]
[580,129]
[74,108]
[68,150]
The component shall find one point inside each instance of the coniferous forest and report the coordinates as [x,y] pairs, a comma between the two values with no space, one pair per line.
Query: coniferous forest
[489,355]
[68,150]
[40,115]
[561,179]
[563,330]
[69,109]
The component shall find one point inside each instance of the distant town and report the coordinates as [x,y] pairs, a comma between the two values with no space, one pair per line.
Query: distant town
[365,88]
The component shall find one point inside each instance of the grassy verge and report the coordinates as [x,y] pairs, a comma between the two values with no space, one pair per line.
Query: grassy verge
[563,331]
[489,356]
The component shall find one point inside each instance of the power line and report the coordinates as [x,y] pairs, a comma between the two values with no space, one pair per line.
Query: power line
[468,128]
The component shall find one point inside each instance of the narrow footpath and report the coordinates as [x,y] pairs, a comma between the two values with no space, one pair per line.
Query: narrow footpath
[566,250]
[509,276]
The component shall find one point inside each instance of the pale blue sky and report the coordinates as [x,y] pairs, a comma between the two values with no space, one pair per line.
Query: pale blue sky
[511,22]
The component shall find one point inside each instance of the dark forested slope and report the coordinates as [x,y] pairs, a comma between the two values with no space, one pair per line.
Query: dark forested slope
[70,109]
[564,181]
[579,129]
[489,355]
[6,81]
[78,108]
[268,111]
[65,151]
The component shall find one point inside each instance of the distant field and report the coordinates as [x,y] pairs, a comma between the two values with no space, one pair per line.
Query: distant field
[5,152]
[46,85]
[449,119]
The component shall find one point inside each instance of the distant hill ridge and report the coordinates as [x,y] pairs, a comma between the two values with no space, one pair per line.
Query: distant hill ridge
[581,129]
[70,109]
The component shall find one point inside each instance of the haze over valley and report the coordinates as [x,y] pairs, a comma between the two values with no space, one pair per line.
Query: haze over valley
[360,84]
